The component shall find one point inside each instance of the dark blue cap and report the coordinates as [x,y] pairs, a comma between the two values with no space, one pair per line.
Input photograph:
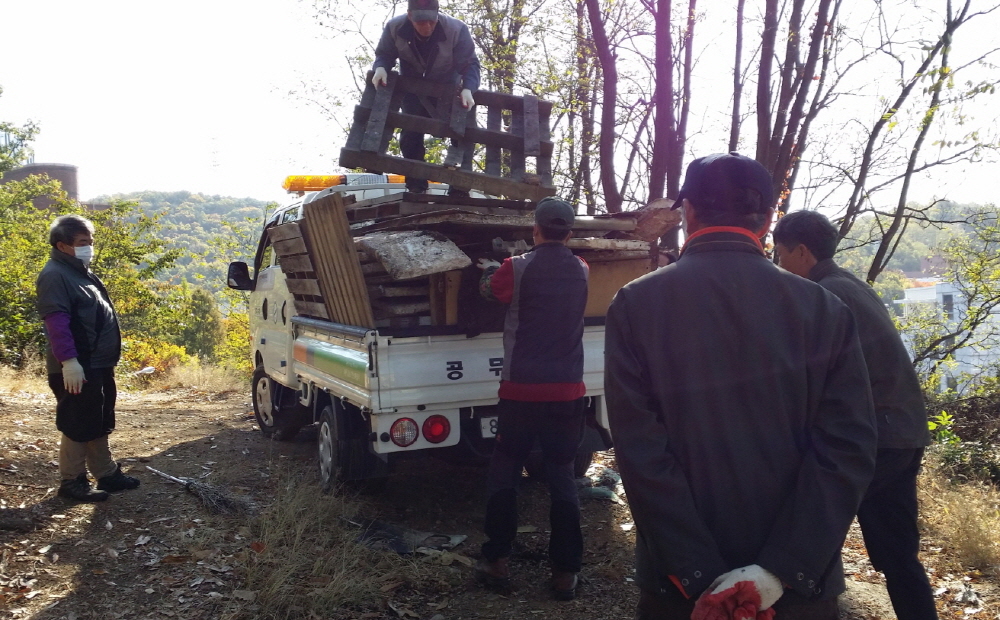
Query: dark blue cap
[717,181]
[555,214]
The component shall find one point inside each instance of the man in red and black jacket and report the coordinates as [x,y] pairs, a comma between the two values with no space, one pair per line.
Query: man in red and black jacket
[541,393]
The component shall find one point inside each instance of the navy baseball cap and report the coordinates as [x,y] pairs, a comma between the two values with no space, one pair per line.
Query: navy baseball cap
[555,214]
[423,10]
[713,181]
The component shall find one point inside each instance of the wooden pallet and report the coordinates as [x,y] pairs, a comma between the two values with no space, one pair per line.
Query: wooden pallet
[529,136]
[300,273]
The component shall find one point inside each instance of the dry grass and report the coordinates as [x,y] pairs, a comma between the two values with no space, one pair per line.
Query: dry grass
[196,376]
[306,562]
[31,378]
[966,516]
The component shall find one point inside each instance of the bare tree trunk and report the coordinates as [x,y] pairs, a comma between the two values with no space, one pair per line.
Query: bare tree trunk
[764,79]
[734,128]
[663,95]
[609,69]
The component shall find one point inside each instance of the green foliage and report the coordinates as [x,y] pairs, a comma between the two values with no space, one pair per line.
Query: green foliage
[970,461]
[234,350]
[200,327]
[940,427]
[14,139]
[24,248]
[139,351]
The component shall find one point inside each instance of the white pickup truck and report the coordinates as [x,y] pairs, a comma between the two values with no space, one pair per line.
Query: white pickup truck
[379,394]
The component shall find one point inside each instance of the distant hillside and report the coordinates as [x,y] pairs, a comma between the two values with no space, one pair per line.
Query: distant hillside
[196,223]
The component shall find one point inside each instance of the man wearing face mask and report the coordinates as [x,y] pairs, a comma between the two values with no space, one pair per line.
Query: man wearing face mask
[433,46]
[84,347]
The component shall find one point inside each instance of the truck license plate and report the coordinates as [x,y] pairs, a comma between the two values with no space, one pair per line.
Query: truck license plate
[488,425]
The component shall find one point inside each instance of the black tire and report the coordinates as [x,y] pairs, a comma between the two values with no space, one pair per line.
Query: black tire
[328,450]
[535,466]
[262,389]
[344,457]
[276,421]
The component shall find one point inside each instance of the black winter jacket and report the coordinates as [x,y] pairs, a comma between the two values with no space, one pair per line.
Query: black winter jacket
[742,418]
[66,285]
[899,402]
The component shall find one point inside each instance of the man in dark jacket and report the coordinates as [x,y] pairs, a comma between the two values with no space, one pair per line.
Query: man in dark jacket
[541,394]
[433,46]
[84,347]
[805,242]
[741,415]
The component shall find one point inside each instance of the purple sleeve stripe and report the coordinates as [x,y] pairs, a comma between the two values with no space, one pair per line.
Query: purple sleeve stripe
[60,336]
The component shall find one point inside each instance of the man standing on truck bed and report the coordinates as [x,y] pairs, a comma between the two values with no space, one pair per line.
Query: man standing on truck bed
[541,394]
[433,46]
[741,414]
[805,242]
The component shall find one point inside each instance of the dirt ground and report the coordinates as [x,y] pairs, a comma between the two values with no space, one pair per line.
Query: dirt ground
[157,553]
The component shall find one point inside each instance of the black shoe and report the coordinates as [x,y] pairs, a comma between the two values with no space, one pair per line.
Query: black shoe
[79,489]
[494,575]
[416,189]
[458,193]
[117,481]
[564,585]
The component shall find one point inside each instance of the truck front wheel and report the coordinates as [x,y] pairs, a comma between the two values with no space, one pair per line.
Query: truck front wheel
[273,420]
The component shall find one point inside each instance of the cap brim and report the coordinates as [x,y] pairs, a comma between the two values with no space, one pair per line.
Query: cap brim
[424,16]
[678,202]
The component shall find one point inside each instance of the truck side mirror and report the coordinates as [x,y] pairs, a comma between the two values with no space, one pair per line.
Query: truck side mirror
[239,276]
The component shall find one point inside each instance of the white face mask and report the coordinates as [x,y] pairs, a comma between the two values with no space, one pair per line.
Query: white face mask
[84,253]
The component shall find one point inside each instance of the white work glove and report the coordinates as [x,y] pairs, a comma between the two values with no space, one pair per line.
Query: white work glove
[73,376]
[741,594]
[485,263]
[380,77]
[467,100]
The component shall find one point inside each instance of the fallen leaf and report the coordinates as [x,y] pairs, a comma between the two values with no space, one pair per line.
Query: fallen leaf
[142,540]
[526,529]
[258,547]
[175,559]
[391,586]
[244,595]
[126,521]
[107,525]
[100,571]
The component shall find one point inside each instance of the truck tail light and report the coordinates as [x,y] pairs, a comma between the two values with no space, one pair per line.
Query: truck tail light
[436,428]
[403,432]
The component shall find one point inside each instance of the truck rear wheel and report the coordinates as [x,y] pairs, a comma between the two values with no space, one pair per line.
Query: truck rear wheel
[344,457]
[273,420]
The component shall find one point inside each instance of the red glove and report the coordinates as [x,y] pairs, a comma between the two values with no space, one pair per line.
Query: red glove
[742,594]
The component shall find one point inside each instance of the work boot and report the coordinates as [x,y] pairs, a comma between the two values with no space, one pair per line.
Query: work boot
[494,575]
[458,193]
[117,481]
[79,489]
[564,585]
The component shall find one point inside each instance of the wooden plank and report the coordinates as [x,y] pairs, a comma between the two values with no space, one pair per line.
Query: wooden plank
[605,280]
[543,164]
[332,296]
[532,146]
[385,309]
[452,284]
[376,121]
[284,231]
[388,290]
[607,244]
[459,217]
[440,129]
[299,263]
[304,286]
[461,178]
[312,308]
[517,153]
[287,247]
[494,120]
[375,269]
[341,270]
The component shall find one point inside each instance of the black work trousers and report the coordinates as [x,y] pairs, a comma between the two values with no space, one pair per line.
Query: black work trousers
[90,414]
[558,426]
[411,143]
[673,606]
[888,520]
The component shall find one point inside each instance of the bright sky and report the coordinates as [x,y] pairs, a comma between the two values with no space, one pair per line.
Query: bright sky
[198,95]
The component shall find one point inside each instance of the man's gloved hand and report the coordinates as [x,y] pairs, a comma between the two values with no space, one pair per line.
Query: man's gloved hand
[741,594]
[73,376]
[485,263]
[380,77]
[467,99]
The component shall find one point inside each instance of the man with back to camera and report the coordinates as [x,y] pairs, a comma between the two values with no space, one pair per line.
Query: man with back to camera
[741,415]
[84,347]
[805,242]
[541,394]
[430,45]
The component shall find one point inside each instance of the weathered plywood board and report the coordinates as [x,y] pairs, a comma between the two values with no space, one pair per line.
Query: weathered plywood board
[607,278]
